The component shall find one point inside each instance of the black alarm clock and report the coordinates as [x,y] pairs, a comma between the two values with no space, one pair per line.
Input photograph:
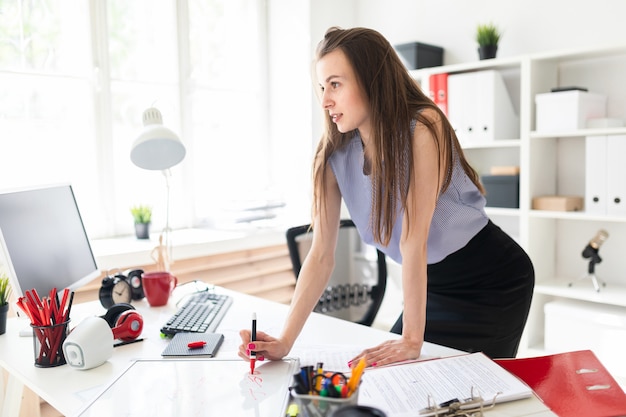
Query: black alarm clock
[136,284]
[114,290]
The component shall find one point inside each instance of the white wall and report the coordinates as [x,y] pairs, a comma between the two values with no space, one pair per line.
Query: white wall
[528,26]
[289,87]
[295,28]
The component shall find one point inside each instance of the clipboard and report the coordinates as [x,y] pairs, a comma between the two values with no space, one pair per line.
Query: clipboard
[196,387]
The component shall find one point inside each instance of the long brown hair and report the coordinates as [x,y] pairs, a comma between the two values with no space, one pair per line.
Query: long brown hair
[395,100]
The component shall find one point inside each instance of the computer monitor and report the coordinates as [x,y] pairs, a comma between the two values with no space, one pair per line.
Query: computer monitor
[44,241]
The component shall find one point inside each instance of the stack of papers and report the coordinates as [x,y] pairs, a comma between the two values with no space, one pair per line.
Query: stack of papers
[401,390]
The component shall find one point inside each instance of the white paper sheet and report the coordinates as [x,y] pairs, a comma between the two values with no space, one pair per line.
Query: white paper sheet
[336,358]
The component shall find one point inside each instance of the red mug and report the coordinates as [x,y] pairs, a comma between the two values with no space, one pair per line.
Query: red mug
[158,286]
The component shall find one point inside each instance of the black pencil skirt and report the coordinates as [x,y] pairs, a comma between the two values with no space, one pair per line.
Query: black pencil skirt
[479,297]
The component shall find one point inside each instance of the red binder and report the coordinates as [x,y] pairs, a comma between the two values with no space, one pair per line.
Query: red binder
[572,384]
[432,86]
[438,90]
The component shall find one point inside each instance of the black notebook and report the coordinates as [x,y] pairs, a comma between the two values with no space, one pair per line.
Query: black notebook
[179,345]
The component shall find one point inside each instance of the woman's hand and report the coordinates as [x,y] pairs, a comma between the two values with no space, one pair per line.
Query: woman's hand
[390,351]
[265,346]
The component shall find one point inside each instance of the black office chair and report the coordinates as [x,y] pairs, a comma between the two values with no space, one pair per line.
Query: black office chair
[357,286]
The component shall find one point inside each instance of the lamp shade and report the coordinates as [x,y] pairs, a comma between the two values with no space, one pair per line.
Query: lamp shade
[157,147]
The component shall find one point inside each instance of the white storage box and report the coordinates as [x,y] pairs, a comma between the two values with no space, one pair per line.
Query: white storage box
[577,325]
[567,110]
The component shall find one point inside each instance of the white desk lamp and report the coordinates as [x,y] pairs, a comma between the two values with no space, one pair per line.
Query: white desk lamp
[158,148]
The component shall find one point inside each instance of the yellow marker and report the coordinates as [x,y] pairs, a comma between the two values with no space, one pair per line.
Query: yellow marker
[292,411]
[318,379]
[353,382]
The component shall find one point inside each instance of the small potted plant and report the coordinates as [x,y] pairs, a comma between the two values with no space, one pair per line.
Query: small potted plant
[5,295]
[142,215]
[487,36]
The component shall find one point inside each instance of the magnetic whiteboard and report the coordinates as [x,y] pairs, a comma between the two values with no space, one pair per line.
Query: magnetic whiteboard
[194,387]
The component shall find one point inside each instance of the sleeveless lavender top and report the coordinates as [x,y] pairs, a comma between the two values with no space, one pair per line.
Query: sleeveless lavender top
[459,213]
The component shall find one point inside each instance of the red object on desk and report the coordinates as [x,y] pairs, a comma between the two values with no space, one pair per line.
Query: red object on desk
[571,384]
[196,345]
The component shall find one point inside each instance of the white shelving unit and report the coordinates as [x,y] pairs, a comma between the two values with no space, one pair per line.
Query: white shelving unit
[552,164]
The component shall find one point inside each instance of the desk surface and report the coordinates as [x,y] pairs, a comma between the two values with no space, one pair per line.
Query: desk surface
[68,390]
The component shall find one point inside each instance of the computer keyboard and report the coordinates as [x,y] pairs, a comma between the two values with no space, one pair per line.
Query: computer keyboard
[202,313]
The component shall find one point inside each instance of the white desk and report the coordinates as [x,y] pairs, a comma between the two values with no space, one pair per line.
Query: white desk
[68,389]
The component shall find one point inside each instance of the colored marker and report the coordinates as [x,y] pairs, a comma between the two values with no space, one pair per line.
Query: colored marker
[252,339]
[353,382]
[196,345]
[318,380]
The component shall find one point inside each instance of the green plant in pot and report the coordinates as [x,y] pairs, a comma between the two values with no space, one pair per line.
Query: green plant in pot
[142,214]
[5,295]
[487,36]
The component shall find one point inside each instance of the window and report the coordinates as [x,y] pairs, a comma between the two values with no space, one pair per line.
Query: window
[76,76]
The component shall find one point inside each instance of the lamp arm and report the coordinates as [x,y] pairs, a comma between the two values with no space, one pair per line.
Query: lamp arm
[167,174]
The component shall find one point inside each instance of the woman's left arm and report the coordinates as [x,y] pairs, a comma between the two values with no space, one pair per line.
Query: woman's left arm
[427,177]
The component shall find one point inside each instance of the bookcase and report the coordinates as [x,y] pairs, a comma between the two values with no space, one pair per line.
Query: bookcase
[554,164]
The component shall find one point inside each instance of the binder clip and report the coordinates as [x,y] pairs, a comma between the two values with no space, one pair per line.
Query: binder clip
[474,406]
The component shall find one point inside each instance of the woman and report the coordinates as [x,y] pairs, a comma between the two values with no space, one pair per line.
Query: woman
[393,157]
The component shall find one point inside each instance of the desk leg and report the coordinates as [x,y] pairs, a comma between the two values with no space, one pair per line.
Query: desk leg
[12,397]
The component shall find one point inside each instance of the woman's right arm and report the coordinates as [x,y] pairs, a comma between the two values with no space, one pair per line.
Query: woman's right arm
[313,279]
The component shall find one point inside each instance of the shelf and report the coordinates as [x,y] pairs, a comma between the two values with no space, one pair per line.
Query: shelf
[499,143]
[612,294]
[187,243]
[553,163]
[487,64]
[580,54]
[607,131]
[501,211]
[575,215]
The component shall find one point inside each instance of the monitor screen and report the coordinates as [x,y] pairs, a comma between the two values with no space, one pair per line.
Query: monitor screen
[43,240]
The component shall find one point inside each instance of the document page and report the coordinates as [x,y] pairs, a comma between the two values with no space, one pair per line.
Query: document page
[403,390]
[336,358]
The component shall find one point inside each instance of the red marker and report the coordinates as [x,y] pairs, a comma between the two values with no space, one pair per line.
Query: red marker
[196,345]
[252,339]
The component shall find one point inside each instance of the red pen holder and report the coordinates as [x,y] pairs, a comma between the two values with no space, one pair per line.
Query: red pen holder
[48,344]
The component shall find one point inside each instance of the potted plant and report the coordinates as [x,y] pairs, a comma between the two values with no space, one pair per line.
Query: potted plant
[142,215]
[5,295]
[487,36]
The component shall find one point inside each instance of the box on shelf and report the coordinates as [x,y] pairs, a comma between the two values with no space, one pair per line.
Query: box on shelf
[575,325]
[504,170]
[567,110]
[558,203]
[416,55]
[501,190]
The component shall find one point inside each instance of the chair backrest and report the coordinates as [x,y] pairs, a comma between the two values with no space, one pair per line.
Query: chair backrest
[357,286]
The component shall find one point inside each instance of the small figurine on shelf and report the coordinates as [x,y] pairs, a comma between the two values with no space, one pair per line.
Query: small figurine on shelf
[160,256]
[591,252]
